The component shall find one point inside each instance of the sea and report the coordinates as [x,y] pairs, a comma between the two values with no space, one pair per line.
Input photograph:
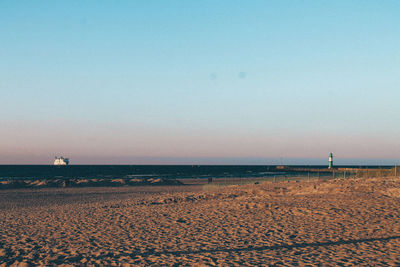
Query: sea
[11,172]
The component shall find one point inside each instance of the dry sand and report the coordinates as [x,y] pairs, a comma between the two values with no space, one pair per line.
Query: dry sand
[340,222]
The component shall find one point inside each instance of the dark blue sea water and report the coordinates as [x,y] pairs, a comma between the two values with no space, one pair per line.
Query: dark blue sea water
[144,171]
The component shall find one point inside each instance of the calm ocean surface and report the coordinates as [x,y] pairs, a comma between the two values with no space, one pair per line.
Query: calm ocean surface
[132,171]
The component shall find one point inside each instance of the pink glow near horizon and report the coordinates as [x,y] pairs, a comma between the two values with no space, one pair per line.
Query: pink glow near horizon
[103,144]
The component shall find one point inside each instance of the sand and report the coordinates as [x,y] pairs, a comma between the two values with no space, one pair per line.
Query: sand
[46,183]
[337,222]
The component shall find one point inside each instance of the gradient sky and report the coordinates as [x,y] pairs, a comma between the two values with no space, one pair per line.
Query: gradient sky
[199,81]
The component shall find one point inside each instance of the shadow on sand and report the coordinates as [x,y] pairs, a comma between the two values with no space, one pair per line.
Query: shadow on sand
[275,247]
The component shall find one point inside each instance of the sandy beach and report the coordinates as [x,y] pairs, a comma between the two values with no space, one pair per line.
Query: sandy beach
[335,222]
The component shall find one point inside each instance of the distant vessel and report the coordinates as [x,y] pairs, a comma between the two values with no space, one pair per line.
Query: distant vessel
[61,161]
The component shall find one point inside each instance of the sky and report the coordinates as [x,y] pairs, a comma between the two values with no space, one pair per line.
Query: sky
[224,82]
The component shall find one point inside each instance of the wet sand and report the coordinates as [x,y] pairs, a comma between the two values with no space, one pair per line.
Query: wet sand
[337,222]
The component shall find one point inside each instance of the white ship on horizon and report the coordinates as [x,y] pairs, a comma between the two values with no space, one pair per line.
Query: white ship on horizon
[61,161]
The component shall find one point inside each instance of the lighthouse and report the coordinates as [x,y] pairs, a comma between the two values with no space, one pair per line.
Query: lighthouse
[330,160]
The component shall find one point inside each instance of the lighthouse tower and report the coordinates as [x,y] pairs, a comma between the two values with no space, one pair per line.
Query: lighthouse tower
[330,160]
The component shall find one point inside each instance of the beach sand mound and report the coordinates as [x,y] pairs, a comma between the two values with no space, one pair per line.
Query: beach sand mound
[336,222]
[19,184]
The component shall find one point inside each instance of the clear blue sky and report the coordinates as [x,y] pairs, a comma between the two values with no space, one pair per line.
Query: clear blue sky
[154,81]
